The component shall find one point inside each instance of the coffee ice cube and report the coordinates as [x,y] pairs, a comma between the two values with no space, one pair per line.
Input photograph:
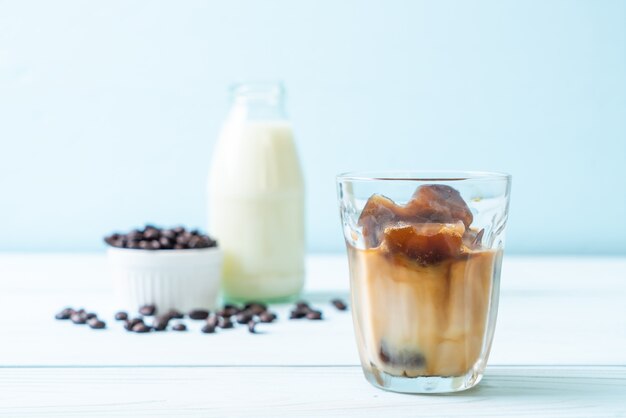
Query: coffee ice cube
[426,243]
[440,204]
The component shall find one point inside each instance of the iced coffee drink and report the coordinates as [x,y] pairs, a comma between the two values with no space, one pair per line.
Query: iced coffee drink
[423,292]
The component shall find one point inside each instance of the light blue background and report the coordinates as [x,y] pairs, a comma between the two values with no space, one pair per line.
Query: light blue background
[109,110]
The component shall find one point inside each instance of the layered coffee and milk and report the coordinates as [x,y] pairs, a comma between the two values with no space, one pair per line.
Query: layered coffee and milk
[422,285]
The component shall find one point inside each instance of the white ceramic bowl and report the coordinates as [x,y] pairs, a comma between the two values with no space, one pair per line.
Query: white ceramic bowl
[170,279]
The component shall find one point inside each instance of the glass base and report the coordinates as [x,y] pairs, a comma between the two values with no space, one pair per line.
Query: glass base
[421,384]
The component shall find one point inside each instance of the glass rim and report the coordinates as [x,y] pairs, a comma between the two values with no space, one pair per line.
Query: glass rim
[423,175]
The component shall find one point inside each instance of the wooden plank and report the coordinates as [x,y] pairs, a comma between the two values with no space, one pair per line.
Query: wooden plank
[552,311]
[302,392]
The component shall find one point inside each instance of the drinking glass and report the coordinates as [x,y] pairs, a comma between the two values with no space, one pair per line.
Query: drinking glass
[425,251]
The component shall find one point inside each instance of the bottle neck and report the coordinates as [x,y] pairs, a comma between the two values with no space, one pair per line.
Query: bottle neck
[259,101]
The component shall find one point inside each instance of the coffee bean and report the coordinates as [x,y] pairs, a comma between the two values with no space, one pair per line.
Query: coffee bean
[174,314]
[132,244]
[144,245]
[169,234]
[182,240]
[213,321]
[78,318]
[179,247]
[297,314]
[302,305]
[251,326]
[339,304]
[313,314]
[255,307]
[179,327]
[121,316]
[229,310]
[178,230]
[64,314]
[151,233]
[160,322]
[267,317]
[154,245]
[244,317]
[95,323]
[147,310]
[90,315]
[140,328]
[198,314]
[135,235]
[130,324]
[226,323]
[119,243]
[166,243]
[208,329]
[194,242]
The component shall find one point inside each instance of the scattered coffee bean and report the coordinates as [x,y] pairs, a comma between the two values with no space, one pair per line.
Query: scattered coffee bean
[130,324]
[229,310]
[121,316]
[179,327]
[90,315]
[64,314]
[174,314]
[302,305]
[244,317]
[267,317]
[160,322]
[208,329]
[147,310]
[226,323]
[251,326]
[255,308]
[297,314]
[339,304]
[313,314]
[198,314]
[78,318]
[95,323]
[232,308]
[213,321]
[140,328]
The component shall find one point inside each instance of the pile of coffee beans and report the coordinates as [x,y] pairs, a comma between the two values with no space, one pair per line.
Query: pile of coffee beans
[154,238]
[149,319]
[81,317]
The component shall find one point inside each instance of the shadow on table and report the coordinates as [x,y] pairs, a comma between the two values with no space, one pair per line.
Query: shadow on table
[554,382]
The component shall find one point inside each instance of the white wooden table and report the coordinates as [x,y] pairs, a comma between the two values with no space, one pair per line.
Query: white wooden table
[559,350]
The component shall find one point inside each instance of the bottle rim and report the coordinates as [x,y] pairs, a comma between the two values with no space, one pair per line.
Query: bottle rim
[270,91]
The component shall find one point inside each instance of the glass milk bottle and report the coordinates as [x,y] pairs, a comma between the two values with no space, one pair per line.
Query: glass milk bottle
[256,198]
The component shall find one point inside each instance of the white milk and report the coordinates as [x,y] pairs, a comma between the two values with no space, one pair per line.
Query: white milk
[256,204]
